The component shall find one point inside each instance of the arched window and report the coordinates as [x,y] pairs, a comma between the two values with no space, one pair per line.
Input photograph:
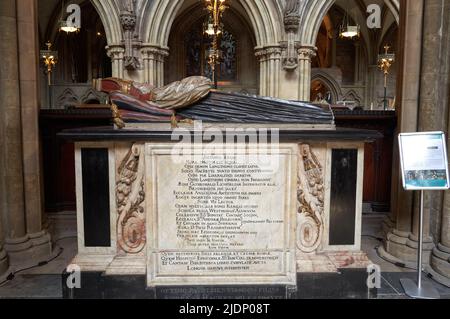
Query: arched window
[189,46]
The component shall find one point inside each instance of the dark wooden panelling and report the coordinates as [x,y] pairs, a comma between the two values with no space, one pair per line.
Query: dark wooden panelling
[378,155]
[344,174]
[96,208]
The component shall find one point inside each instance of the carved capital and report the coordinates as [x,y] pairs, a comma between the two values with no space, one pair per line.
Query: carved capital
[306,53]
[261,55]
[273,52]
[154,53]
[115,51]
[269,53]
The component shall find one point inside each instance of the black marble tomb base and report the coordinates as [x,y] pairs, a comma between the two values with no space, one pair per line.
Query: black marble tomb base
[347,284]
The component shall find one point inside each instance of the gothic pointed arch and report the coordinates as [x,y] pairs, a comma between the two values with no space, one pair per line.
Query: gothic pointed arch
[313,13]
[238,68]
[109,13]
[329,82]
[264,17]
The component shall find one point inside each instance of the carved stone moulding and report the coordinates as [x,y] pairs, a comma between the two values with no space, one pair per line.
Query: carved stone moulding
[292,23]
[128,20]
[307,52]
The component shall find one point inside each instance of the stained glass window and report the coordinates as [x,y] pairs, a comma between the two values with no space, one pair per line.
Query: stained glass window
[197,51]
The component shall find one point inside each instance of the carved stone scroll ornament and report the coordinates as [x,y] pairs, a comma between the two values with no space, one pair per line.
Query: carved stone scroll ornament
[311,196]
[130,193]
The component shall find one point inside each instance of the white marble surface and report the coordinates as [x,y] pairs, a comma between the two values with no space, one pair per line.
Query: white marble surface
[272,245]
[239,231]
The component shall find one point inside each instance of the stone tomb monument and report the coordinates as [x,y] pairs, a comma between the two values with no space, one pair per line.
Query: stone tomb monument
[219,219]
[277,193]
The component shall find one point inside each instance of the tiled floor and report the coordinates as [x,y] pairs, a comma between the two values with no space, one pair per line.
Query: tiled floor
[45,281]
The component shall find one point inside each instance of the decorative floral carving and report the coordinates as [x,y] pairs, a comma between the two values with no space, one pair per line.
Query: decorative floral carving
[306,53]
[269,53]
[311,201]
[130,194]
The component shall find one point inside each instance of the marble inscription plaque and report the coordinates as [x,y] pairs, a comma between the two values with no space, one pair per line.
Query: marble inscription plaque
[221,219]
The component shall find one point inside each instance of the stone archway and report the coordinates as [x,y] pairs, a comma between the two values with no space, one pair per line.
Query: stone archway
[329,82]
[109,13]
[312,15]
[263,16]
[110,16]
[188,54]
[81,55]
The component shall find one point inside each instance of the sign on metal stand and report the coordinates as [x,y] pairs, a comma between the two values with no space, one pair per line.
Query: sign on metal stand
[424,163]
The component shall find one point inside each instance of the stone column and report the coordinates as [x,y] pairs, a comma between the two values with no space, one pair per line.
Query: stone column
[6,16]
[277,72]
[27,16]
[399,245]
[426,81]
[12,172]
[306,53]
[154,62]
[274,65]
[433,101]
[261,55]
[116,53]
[163,54]
[270,70]
[440,258]
[371,85]
[25,243]
[148,57]
[29,98]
